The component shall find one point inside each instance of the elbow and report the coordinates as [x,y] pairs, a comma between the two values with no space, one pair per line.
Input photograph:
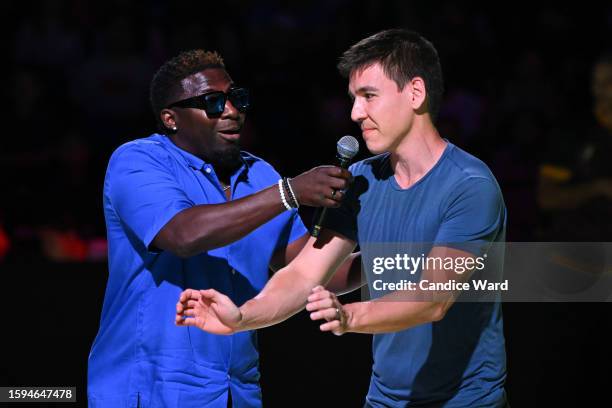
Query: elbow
[437,312]
[188,246]
[183,251]
[183,238]
[182,245]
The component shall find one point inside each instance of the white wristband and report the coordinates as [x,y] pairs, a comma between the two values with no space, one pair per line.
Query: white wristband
[292,193]
[281,190]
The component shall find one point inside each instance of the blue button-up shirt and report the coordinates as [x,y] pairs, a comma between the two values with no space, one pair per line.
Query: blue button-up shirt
[139,357]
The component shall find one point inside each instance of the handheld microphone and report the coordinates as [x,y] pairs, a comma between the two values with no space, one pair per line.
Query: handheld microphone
[347,148]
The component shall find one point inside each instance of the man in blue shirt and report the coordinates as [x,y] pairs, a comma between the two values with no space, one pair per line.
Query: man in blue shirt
[430,349]
[188,208]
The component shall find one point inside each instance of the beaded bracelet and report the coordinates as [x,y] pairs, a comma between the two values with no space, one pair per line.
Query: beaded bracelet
[281,190]
[295,203]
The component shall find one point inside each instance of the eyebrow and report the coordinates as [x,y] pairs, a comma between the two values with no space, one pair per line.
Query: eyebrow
[363,89]
[208,89]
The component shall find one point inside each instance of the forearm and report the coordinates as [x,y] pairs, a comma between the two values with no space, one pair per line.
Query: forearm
[383,316]
[347,277]
[210,226]
[288,290]
[402,310]
[284,295]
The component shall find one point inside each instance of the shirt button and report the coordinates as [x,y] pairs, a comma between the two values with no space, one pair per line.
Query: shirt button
[233,271]
[207,170]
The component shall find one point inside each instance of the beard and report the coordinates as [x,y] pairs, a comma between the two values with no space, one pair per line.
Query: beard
[227,160]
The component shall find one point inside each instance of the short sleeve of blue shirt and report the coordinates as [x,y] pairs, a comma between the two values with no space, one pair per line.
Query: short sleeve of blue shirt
[474,214]
[143,190]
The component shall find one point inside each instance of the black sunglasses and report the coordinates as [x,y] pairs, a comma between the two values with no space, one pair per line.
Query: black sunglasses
[214,102]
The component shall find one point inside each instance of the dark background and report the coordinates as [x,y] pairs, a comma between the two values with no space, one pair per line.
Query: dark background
[518,85]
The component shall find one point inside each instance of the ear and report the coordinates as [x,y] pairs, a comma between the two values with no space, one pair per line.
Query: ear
[168,118]
[419,93]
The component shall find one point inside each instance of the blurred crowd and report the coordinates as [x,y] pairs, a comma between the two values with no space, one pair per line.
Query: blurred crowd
[529,91]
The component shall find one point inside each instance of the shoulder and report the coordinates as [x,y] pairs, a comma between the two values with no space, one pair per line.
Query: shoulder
[256,162]
[466,166]
[470,176]
[140,156]
[258,167]
[370,166]
[466,171]
[140,152]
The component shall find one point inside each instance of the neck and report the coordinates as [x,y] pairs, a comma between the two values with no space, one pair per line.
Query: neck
[223,174]
[417,153]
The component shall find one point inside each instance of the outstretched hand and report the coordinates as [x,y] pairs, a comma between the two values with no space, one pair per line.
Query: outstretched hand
[208,310]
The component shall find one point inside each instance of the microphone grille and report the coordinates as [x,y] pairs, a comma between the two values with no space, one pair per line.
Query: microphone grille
[348,147]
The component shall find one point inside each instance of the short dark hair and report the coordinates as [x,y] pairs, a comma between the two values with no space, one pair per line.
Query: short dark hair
[403,55]
[166,83]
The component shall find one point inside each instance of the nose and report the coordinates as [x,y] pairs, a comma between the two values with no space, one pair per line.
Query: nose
[230,111]
[358,112]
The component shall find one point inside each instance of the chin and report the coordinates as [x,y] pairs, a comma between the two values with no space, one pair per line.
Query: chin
[232,149]
[375,148]
[227,157]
